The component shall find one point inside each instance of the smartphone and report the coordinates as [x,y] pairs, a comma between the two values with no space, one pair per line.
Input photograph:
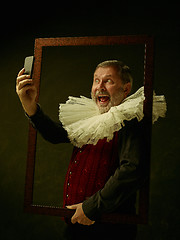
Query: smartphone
[28,65]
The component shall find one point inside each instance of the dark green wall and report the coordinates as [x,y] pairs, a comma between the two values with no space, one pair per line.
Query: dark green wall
[17,41]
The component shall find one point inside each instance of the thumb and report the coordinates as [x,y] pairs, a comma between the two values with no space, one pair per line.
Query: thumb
[72,206]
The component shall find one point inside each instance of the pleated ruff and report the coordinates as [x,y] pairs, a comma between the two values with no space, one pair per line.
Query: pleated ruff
[85,125]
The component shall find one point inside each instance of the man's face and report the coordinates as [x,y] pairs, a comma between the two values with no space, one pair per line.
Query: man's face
[107,89]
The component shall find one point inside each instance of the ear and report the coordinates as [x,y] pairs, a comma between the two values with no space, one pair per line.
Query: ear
[127,89]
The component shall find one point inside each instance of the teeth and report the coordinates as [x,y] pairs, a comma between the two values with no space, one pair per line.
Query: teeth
[103,98]
[103,95]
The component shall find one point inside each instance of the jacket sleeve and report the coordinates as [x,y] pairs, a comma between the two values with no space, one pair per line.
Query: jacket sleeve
[50,130]
[127,177]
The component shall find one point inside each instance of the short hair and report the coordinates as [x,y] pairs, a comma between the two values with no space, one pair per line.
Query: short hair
[122,69]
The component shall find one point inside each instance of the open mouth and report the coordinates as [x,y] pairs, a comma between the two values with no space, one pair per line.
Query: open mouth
[103,99]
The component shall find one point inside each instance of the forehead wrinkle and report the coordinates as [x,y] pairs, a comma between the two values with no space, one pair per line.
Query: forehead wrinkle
[107,75]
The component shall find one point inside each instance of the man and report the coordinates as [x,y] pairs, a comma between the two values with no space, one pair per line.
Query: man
[104,172]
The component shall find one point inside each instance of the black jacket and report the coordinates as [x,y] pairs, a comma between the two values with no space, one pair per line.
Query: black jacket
[119,193]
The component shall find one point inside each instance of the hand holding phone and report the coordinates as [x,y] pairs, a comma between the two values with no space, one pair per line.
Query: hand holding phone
[25,88]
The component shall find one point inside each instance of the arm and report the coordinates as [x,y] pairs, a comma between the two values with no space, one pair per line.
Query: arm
[127,177]
[50,130]
[27,92]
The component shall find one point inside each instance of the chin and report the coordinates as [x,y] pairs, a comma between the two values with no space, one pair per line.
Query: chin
[104,109]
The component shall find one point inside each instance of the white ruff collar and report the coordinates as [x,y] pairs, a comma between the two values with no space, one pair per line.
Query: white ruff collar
[85,125]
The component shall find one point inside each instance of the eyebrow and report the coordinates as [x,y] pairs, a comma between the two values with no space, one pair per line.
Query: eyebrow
[109,75]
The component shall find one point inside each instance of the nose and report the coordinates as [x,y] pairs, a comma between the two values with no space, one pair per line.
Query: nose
[101,86]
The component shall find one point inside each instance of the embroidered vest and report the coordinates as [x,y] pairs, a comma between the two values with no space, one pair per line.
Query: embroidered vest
[89,169]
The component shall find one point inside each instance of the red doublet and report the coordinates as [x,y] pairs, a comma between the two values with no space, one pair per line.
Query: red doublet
[89,169]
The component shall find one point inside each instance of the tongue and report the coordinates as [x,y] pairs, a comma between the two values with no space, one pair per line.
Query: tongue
[104,99]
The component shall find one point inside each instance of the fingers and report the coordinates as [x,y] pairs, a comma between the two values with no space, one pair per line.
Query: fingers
[79,216]
[21,72]
[74,217]
[21,78]
[24,83]
[81,220]
[72,206]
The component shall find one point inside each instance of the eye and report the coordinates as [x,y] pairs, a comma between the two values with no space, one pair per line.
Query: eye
[96,80]
[109,81]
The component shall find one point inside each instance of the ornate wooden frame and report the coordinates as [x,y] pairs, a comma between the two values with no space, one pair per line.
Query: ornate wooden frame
[148,42]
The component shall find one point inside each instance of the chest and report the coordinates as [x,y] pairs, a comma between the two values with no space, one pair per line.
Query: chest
[89,169]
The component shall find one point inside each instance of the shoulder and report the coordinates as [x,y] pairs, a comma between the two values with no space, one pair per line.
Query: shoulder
[132,131]
[132,126]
